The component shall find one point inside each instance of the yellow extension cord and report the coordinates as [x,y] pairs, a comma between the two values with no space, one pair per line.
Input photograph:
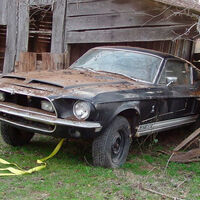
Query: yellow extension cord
[16,171]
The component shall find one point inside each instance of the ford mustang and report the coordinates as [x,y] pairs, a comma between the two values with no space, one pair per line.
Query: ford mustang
[110,94]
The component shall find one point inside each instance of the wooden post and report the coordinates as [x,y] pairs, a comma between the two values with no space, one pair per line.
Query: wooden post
[3,13]
[23,27]
[11,36]
[57,41]
[67,54]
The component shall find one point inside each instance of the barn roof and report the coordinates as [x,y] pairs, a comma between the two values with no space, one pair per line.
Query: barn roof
[189,4]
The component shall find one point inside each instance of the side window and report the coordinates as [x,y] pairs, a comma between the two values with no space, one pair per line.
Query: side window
[176,70]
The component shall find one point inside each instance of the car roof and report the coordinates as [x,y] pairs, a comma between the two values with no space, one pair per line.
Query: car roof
[157,53]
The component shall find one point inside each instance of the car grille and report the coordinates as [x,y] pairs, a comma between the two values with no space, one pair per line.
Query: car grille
[20,121]
[28,104]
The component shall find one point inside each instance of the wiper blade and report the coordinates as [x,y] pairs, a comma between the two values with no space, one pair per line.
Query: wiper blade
[118,75]
[86,69]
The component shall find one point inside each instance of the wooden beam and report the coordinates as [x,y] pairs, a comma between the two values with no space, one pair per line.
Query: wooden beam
[23,27]
[3,12]
[186,157]
[11,36]
[41,2]
[121,20]
[99,7]
[79,8]
[82,1]
[45,32]
[57,40]
[191,137]
[126,34]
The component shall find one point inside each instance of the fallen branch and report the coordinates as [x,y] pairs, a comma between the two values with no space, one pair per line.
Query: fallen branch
[168,161]
[181,183]
[161,194]
[164,152]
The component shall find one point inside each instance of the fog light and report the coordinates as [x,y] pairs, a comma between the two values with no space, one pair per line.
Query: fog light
[46,105]
[2,96]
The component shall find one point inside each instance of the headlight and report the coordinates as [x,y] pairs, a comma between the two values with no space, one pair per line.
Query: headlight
[46,105]
[2,96]
[81,110]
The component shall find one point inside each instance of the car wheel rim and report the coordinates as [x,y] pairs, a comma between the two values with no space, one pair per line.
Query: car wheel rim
[117,147]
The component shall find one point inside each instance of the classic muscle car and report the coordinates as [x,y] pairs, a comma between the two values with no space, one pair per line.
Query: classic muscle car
[110,94]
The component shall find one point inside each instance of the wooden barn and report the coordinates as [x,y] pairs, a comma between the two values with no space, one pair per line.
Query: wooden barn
[36,34]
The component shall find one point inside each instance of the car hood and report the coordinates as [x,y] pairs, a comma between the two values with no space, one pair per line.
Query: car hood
[70,83]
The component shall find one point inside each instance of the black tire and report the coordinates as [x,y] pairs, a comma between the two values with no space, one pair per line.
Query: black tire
[14,136]
[111,148]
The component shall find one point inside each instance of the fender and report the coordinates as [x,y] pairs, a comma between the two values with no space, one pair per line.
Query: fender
[132,105]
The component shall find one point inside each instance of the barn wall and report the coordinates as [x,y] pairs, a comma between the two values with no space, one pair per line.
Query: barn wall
[81,24]
[106,21]
[22,35]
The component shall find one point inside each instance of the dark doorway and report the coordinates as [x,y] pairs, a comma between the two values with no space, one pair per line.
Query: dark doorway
[40,29]
[2,45]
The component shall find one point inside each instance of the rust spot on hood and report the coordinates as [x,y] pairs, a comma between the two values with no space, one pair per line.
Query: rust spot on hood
[46,83]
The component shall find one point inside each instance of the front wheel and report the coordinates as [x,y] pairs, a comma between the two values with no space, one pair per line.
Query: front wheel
[14,136]
[111,148]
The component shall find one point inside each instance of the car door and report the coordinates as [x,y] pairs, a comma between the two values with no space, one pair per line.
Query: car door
[175,80]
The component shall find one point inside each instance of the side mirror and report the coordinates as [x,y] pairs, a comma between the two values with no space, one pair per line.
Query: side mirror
[171,80]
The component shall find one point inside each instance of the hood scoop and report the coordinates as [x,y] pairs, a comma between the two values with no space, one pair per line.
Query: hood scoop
[45,82]
[32,80]
[14,77]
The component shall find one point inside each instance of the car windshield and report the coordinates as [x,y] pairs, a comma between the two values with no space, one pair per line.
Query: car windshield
[132,64]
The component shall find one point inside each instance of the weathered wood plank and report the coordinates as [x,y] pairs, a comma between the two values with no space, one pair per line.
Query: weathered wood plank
[117,6]
[118,20]
[53,61]
[32,61]
[23,27]
[57,40]
[186,157]
[126,35]
[191,137]
[41,2]
[82,1]
[3,12]
[27,62]
[11,36]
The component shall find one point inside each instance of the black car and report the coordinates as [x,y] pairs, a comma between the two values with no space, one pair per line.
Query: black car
[110,94]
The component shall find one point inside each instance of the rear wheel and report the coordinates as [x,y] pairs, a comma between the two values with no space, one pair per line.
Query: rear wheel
[14,136]
[111,148]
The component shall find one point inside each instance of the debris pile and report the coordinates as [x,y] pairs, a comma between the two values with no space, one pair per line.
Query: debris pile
[192,155]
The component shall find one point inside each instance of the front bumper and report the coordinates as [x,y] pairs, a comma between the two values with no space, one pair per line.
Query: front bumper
[36,121]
